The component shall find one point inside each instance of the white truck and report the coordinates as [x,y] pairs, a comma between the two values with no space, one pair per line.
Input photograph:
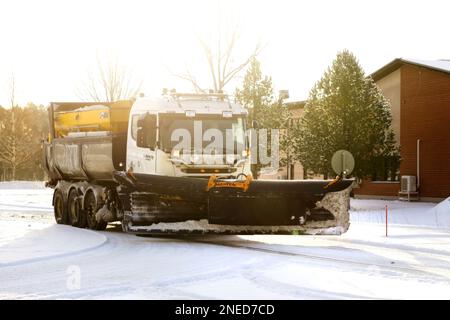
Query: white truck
[157,166]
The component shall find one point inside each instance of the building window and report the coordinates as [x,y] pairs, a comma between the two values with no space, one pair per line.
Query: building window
[386,168]
[134,127]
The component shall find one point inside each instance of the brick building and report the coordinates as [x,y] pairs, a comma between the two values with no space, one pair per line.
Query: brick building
[419,94]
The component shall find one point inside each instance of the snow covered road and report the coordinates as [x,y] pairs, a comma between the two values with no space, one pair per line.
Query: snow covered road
[42,260]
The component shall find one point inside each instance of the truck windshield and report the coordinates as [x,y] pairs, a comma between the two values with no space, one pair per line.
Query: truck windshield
[211,129]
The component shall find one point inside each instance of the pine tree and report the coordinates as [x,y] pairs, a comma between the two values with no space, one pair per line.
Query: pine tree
[256,93]
[269,113]
[345,110]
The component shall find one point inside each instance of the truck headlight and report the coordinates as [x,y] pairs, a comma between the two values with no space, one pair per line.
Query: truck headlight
[176,153]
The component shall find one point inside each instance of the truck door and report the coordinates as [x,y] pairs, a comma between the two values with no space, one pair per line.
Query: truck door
[141,150]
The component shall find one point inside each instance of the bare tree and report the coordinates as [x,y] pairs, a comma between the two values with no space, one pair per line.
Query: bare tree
[9,141]
[12,90]
[16,145]
[111,81]
[220,61]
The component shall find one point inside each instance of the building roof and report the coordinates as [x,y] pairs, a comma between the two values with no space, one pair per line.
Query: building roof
[438,65]
[293,105]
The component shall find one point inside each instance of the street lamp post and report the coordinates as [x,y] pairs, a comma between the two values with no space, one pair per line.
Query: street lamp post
[284,94]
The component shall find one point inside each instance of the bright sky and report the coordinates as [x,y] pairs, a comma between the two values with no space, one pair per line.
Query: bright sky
[50,45]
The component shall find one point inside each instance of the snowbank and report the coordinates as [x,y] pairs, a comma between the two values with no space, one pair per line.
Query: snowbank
[420,214]
[441,213]
[93,107]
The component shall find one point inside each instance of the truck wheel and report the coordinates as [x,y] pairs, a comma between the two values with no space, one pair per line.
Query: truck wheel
[75,212]
[91,208]
[59,208]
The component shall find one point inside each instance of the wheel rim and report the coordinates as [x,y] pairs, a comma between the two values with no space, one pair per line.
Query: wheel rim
[74,209]
[91,210]
[58,209]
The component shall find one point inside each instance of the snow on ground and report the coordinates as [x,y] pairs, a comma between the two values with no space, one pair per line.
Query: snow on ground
[39,259]
[20,199]
[22,185]
[19,239]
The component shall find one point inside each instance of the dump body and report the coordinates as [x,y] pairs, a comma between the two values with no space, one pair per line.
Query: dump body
[84,157]
[88,141]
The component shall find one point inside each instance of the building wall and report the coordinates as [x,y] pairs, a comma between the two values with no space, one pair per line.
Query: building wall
[297,173]
[297,168]
[390,86]
[425,115]
[378,188]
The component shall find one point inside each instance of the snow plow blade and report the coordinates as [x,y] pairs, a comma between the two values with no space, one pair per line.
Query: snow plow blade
[161,204]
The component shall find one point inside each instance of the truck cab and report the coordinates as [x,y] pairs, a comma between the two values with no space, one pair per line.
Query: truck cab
[188,135]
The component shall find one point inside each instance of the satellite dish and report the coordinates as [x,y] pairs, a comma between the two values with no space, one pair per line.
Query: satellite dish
[343,162]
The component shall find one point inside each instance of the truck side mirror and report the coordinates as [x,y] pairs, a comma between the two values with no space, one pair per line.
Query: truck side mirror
[146,131]
[255,124]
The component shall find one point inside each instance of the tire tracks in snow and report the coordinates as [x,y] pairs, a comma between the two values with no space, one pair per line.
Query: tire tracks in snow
[120,268]
[424,272]
[296,290]
[55,256]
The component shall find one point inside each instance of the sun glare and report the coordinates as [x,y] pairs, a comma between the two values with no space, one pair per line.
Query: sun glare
[49,46]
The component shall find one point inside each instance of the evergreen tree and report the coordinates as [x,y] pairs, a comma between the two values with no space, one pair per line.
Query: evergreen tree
[345,110]
[269,113]
[256,93]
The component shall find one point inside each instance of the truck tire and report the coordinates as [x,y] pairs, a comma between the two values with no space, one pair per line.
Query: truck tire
[91,207]
[75,212]
[60,208]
